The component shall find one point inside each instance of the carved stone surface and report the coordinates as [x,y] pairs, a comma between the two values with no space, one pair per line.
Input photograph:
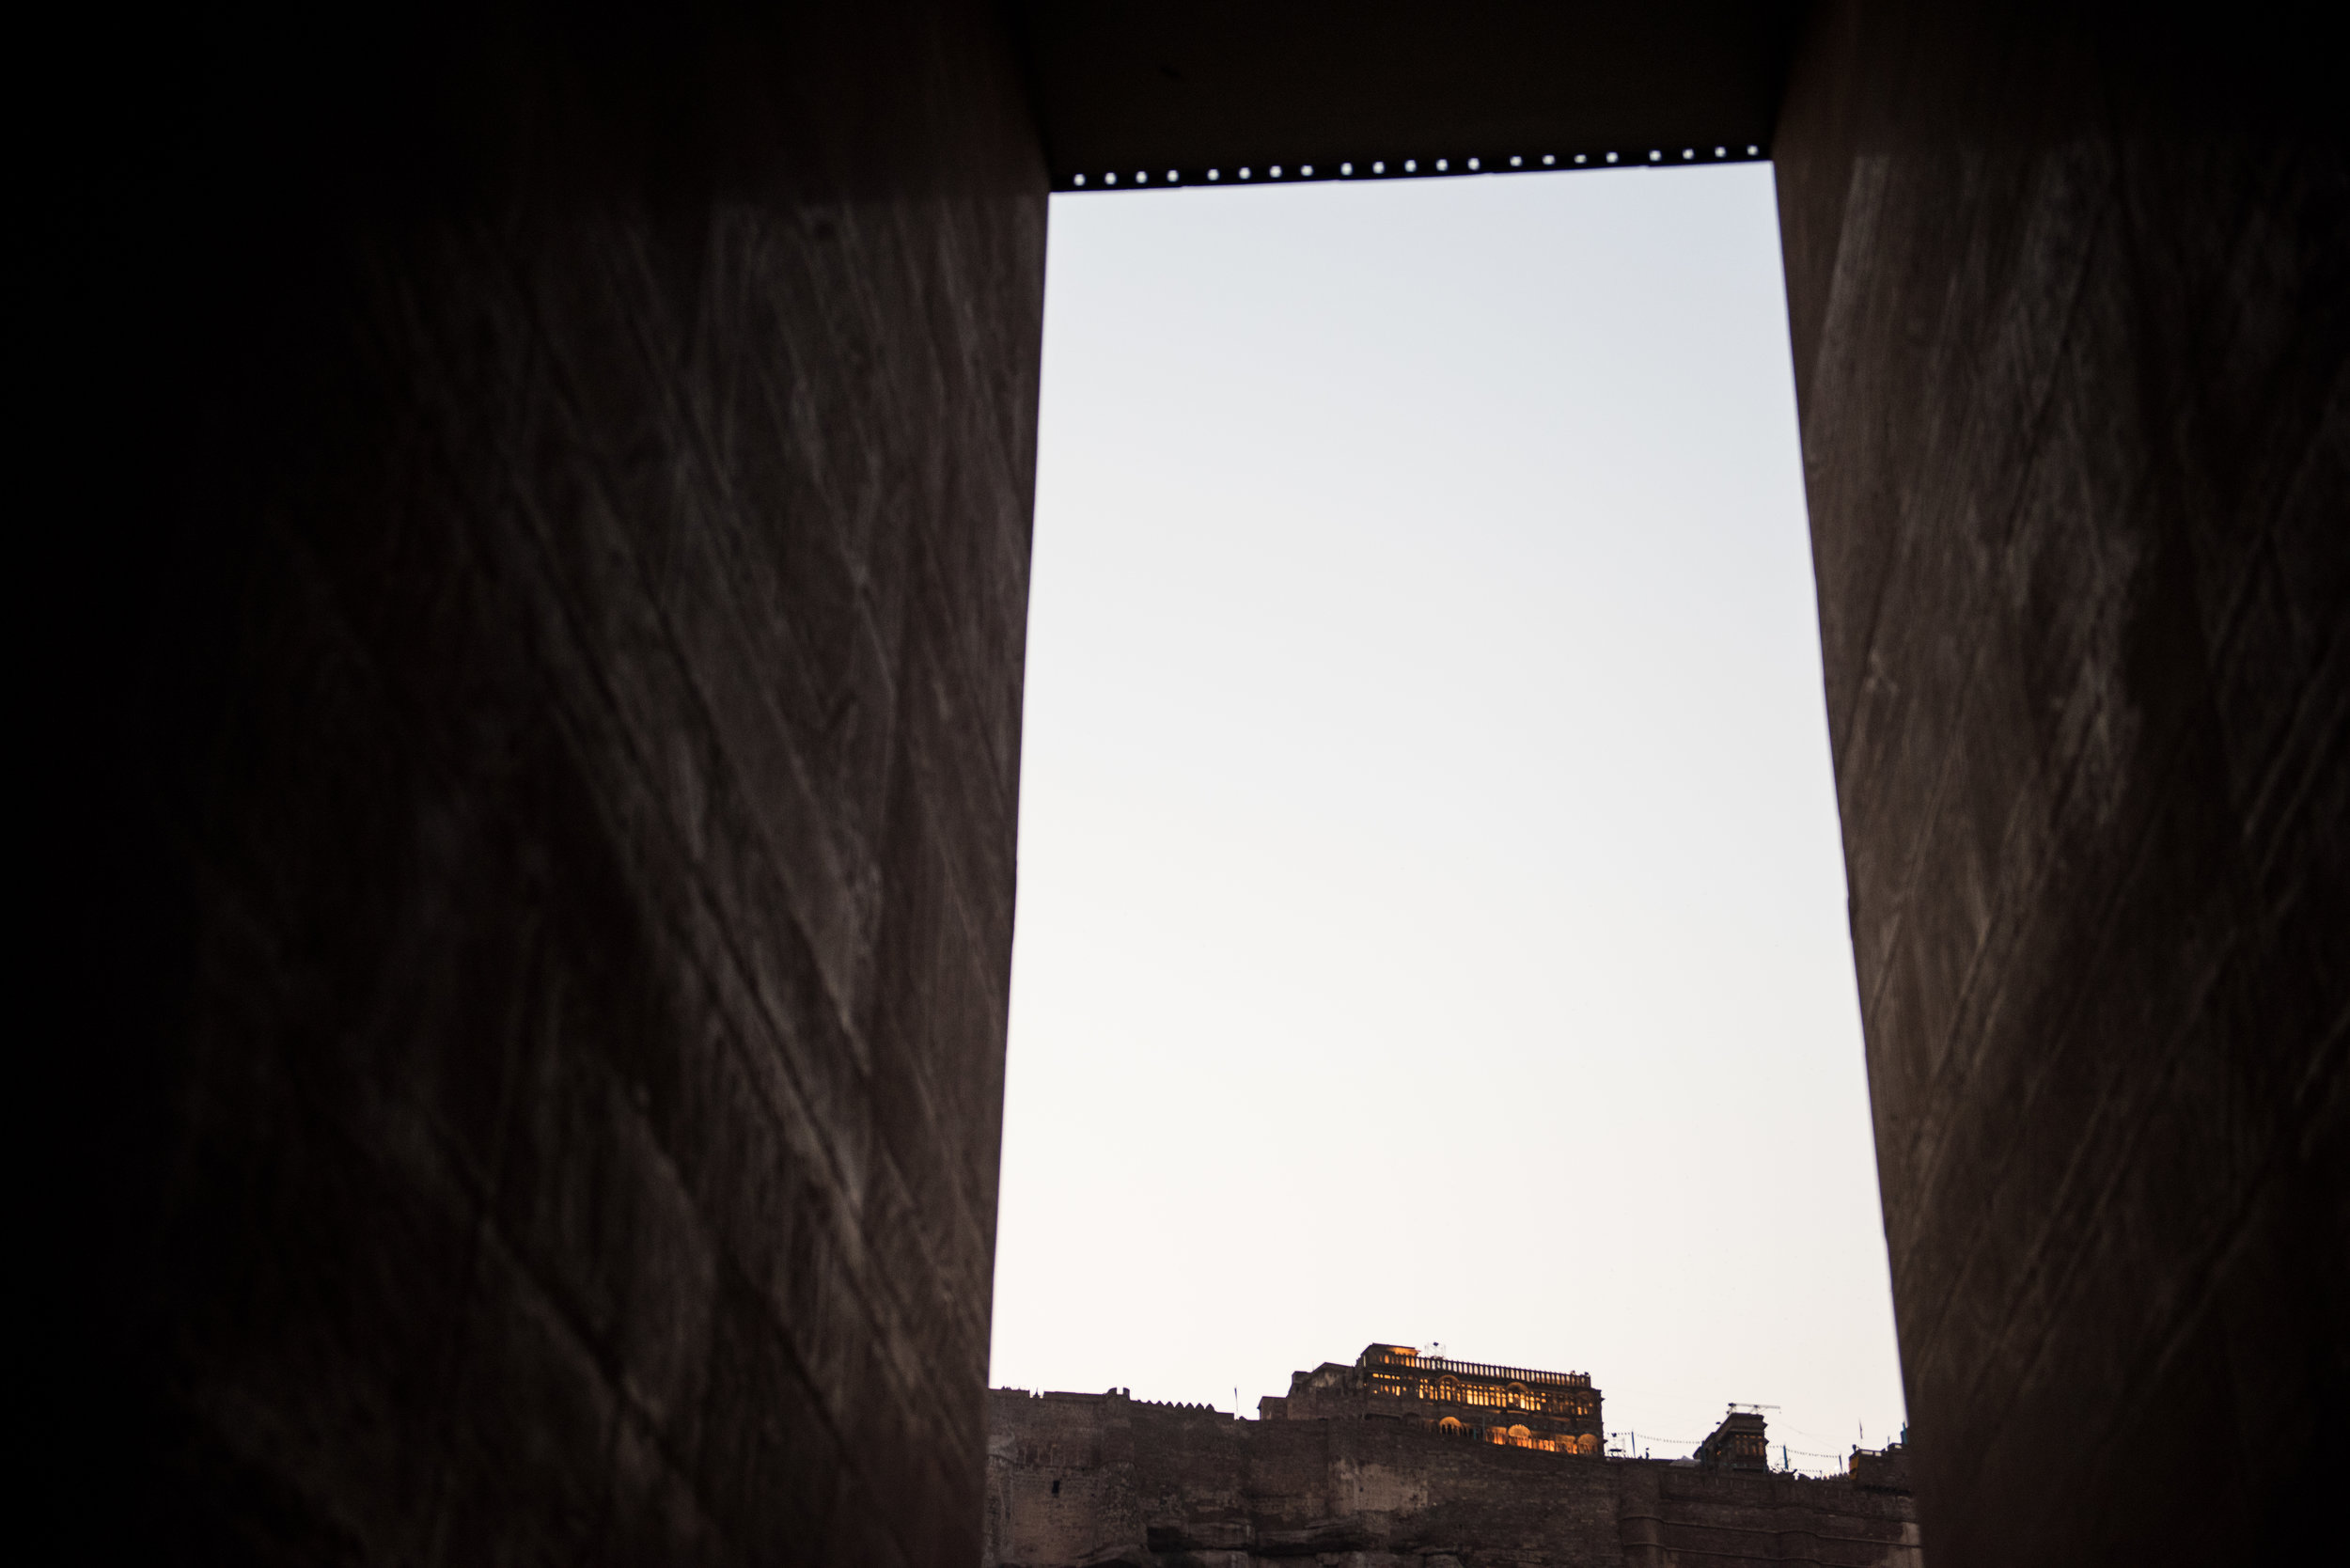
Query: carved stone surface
[562,736]
[2071,305]
[529,638]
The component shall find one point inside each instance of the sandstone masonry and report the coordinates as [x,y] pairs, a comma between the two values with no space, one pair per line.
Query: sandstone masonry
[1399,1460]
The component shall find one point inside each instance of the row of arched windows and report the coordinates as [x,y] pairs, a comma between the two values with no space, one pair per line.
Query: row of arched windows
[1513,1396]
[1522,1436]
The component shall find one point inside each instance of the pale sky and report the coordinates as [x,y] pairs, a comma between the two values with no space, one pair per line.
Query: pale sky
[1432,912]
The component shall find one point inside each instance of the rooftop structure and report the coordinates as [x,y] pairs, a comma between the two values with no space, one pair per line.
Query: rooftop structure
[1741,1442]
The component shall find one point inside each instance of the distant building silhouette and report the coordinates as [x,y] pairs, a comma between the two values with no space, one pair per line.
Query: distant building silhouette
[1405,1459]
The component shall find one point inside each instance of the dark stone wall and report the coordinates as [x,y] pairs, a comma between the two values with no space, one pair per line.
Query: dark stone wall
[2069,291]
[1100,1479]
[525,517]
[543,611]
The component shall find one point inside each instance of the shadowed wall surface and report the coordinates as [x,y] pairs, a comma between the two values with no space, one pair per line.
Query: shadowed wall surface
[549,787]
[2071,300]
[541,603]
[1130,88]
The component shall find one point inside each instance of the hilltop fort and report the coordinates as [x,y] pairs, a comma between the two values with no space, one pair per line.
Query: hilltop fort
[1406,1460]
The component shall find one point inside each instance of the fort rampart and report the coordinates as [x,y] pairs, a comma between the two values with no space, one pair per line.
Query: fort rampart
[1104,1479]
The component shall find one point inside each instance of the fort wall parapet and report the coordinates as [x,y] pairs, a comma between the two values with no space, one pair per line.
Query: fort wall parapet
[1339,1470]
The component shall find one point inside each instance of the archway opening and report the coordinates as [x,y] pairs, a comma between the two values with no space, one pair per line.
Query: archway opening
[1425,746]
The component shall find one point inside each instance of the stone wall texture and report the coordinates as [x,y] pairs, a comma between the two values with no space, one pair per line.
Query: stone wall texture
[551,631]
[2070,293]
[1100,1479]
[526,511]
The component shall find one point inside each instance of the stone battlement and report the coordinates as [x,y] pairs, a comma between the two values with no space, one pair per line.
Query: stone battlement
[1342,1464]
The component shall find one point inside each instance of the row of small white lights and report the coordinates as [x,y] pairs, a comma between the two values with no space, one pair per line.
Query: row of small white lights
[1411,166]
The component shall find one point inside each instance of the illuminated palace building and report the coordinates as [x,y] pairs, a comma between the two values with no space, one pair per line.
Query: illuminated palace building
[1558,1412]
